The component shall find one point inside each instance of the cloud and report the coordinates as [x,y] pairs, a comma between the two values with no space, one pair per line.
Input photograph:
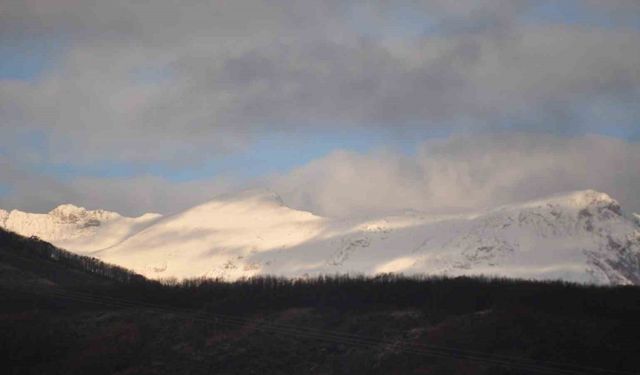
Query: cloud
[464,173]
[28,190]
[137,195]
[179,83]
[36,192]
[449,175]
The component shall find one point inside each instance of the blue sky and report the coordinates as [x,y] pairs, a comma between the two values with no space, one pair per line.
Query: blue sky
[274,152]
[575,12]
[27,59]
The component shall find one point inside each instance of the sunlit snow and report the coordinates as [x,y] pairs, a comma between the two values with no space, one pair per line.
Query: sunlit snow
[581,236]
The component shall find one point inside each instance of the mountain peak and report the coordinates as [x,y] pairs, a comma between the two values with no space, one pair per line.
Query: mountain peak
[70,213]
[584,198]
[580,199]
[262,195]
[67,209]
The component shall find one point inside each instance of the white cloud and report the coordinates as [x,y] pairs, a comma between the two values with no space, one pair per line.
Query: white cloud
[465,173]
[454,174]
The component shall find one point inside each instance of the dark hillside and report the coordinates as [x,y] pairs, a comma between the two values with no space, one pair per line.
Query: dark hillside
[66,314]
[33,260]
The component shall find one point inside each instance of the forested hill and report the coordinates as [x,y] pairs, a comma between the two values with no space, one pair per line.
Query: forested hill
[66,314]
[35,262]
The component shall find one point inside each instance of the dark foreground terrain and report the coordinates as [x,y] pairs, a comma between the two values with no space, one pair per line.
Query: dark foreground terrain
[65,314]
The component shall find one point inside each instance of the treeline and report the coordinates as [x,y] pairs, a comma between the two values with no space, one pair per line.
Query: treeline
[96,318]
[439,296]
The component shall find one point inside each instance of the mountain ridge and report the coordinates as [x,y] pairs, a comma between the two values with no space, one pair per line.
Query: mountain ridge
[581,236]
[74,227]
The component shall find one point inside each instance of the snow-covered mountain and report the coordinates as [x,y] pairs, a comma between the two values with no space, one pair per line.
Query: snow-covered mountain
[76,228]
[580,236]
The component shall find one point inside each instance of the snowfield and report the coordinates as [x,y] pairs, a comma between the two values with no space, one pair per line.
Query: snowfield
[582,236]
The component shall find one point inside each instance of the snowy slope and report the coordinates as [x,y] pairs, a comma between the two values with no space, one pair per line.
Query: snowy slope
[76,228]
[581,236]
[204,239]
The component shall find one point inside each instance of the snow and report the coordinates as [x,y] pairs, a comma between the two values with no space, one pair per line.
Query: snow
[76,228]
[579,236]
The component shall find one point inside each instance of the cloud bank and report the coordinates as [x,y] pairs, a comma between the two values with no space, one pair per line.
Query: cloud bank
[465,173]
[456,174]
[178,82]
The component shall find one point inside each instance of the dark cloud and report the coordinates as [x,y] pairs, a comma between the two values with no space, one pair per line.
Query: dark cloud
[227,71]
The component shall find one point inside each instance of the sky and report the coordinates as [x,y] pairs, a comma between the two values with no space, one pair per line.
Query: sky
[342,107]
